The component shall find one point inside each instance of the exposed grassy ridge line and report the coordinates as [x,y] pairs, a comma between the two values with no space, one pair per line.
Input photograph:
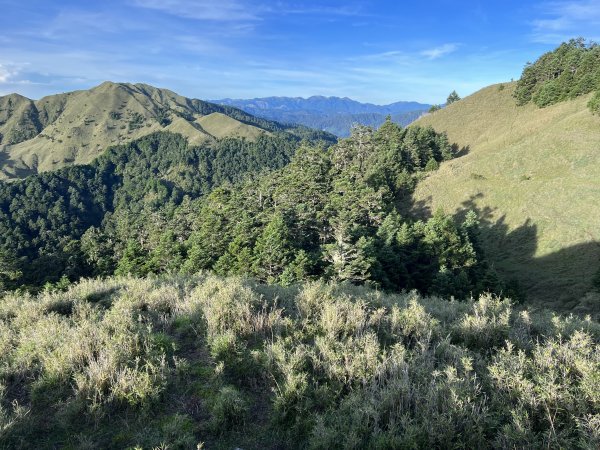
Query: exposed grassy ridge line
[219,125]
[75,127]
[229,362]
[532,175]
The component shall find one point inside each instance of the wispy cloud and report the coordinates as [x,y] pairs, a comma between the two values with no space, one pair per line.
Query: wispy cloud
[7,73]
[438,52]
[392,54]
[222,10]
[562,20]
[342,10]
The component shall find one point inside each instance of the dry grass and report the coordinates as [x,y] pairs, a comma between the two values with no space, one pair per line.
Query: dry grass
[533,175]
[220,126]
[176,361]
[83,123]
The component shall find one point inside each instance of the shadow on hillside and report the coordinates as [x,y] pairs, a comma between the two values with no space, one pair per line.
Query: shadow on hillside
[561,280]
[10,169]
[460,152]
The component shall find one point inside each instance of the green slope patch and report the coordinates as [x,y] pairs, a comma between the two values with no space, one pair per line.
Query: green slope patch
[531,174]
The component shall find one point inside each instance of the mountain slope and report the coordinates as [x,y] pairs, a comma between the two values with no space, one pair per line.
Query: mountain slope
[75,127]
[532,175]
[332,114]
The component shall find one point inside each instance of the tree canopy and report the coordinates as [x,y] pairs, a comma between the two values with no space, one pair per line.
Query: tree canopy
[571,70]
[453,97]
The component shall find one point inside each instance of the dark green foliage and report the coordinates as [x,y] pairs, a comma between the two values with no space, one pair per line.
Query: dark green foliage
[123,196]
[453,97]
[594,103]
[273,249]
[9,269]
[332,214]
[573,69]
[157,205]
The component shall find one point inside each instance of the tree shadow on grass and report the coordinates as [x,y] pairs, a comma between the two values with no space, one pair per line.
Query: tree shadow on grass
[561,280]
[458,153]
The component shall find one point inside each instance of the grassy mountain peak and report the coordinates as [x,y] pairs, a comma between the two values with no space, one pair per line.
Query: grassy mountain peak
[75,127]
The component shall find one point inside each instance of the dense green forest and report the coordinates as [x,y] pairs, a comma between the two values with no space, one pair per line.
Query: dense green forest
[573,69]
[43,217]
[158,205]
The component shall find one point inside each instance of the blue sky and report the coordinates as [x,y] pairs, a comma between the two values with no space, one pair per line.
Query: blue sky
[379,51]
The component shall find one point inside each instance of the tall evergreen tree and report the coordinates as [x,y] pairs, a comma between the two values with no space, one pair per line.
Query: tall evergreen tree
[273,249]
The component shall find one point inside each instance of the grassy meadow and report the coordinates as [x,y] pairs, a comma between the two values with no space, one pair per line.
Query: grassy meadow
[532,175]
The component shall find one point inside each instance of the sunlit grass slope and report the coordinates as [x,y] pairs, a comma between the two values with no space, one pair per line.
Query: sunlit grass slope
[75,127]
[219,125]
[533,176]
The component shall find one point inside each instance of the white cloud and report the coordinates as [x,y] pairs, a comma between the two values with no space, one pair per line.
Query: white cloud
[222,10]
[345,10]
[563,20]
[438,52]
[7,74]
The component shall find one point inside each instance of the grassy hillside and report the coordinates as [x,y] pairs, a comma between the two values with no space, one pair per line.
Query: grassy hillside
[222,363]
[532,174]
[219,125]
[75,127]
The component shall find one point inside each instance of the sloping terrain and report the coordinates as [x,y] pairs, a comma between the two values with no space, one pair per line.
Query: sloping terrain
[220,363]
[75,127]
[532,175]
[220,125]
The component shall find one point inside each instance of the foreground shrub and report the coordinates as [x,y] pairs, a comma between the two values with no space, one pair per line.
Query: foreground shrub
[230,409]
[179,361]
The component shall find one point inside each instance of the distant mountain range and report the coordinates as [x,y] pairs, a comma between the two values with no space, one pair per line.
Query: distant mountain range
[333,114]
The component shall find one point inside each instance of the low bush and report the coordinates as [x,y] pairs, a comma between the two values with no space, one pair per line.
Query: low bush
[176,362]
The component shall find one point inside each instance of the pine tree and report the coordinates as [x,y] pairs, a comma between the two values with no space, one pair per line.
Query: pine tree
[453,97]
[350,261]
[298,270]
[9,269]
[273,250]
[238,260]
[168,255]
[133,261]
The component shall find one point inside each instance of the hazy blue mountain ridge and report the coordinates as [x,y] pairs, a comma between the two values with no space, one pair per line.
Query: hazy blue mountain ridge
[333,114]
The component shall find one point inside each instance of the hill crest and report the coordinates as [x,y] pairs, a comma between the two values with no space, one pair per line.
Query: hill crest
[75,127]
